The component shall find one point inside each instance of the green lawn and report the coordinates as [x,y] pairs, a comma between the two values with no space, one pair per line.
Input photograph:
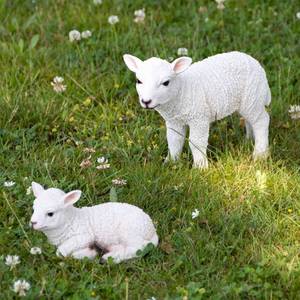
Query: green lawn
[245,242]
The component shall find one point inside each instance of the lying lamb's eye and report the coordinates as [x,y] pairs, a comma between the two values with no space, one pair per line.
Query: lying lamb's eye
[50,214]
[138,81]
[166,83]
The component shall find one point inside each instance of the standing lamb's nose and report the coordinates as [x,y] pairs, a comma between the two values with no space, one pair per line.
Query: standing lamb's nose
[146,102]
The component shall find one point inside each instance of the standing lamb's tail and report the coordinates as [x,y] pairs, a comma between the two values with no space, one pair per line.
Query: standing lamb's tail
[268,97]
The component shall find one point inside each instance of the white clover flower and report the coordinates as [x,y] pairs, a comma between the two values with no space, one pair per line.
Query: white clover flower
[89,150]
[29,190]
[58,79]
[78,143]
[9,183]
[102,160]
[74,35]
[86,162]
[294,111]
[103,167]
[113,20]
[119,182]
[86,34]
[21,287]
[152,298]
[202,9]
[195,213]
[139,15]
[35,250]
[12,260]
[220,5]
[97,2]
[298,15]
[182,51]
[58,85]
[261,180]
[103,163]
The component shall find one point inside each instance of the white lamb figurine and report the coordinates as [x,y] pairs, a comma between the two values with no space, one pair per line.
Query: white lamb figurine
[198,94]
[119,229]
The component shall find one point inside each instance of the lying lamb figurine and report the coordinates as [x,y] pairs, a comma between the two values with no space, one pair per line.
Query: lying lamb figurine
[198,94]
[120,229]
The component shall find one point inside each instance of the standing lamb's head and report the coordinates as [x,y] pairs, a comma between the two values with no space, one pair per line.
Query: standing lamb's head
[50,207]
[155,78]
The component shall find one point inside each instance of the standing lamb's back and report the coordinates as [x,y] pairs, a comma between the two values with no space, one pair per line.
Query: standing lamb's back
[230,82]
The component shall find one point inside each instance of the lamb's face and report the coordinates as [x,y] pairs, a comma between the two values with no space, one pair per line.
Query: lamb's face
[48,210]
[155,78]
[49,207]
[154,82]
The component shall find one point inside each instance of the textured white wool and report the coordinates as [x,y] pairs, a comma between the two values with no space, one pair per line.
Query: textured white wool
[218,86]
[201,93]
[119,228]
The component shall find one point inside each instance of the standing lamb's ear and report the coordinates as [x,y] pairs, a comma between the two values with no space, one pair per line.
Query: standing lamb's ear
[132,62]
[181,64]
[36,189]
[72,197]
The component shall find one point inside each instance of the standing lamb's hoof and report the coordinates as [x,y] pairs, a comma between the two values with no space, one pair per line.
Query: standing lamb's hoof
[167,159]
[201,164]
[261,155]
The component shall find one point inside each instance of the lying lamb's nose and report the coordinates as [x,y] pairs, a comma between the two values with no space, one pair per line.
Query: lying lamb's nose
[33,223]
[146,102]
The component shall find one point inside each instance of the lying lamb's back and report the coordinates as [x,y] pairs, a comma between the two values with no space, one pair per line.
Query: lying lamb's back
[225,81]
[115,220]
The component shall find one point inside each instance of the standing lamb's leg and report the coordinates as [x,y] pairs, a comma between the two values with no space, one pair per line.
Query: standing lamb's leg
[199,132]
[175,136]
[261,135]
[86,252]
[249,130]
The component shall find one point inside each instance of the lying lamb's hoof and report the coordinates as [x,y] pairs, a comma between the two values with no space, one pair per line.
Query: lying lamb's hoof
[261,155]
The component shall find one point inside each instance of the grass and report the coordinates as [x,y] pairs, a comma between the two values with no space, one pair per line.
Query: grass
[245,242]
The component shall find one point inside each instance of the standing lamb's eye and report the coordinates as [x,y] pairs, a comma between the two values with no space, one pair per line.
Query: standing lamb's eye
[166,83]
[138,81]
[50,214]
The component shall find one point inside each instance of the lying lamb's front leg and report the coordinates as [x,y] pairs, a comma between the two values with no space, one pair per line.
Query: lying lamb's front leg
[85,252]
[116,252]
[199,131]
[69,246]
[175,136]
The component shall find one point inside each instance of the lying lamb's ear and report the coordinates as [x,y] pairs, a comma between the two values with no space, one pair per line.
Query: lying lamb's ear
[181,64]
[72,197]
[36,189]
[132,62]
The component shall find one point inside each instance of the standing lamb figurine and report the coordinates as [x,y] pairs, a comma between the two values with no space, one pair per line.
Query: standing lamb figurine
[120,229]
[198,94]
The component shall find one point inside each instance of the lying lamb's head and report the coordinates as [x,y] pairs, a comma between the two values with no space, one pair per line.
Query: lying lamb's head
[50,207]
[155,78]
